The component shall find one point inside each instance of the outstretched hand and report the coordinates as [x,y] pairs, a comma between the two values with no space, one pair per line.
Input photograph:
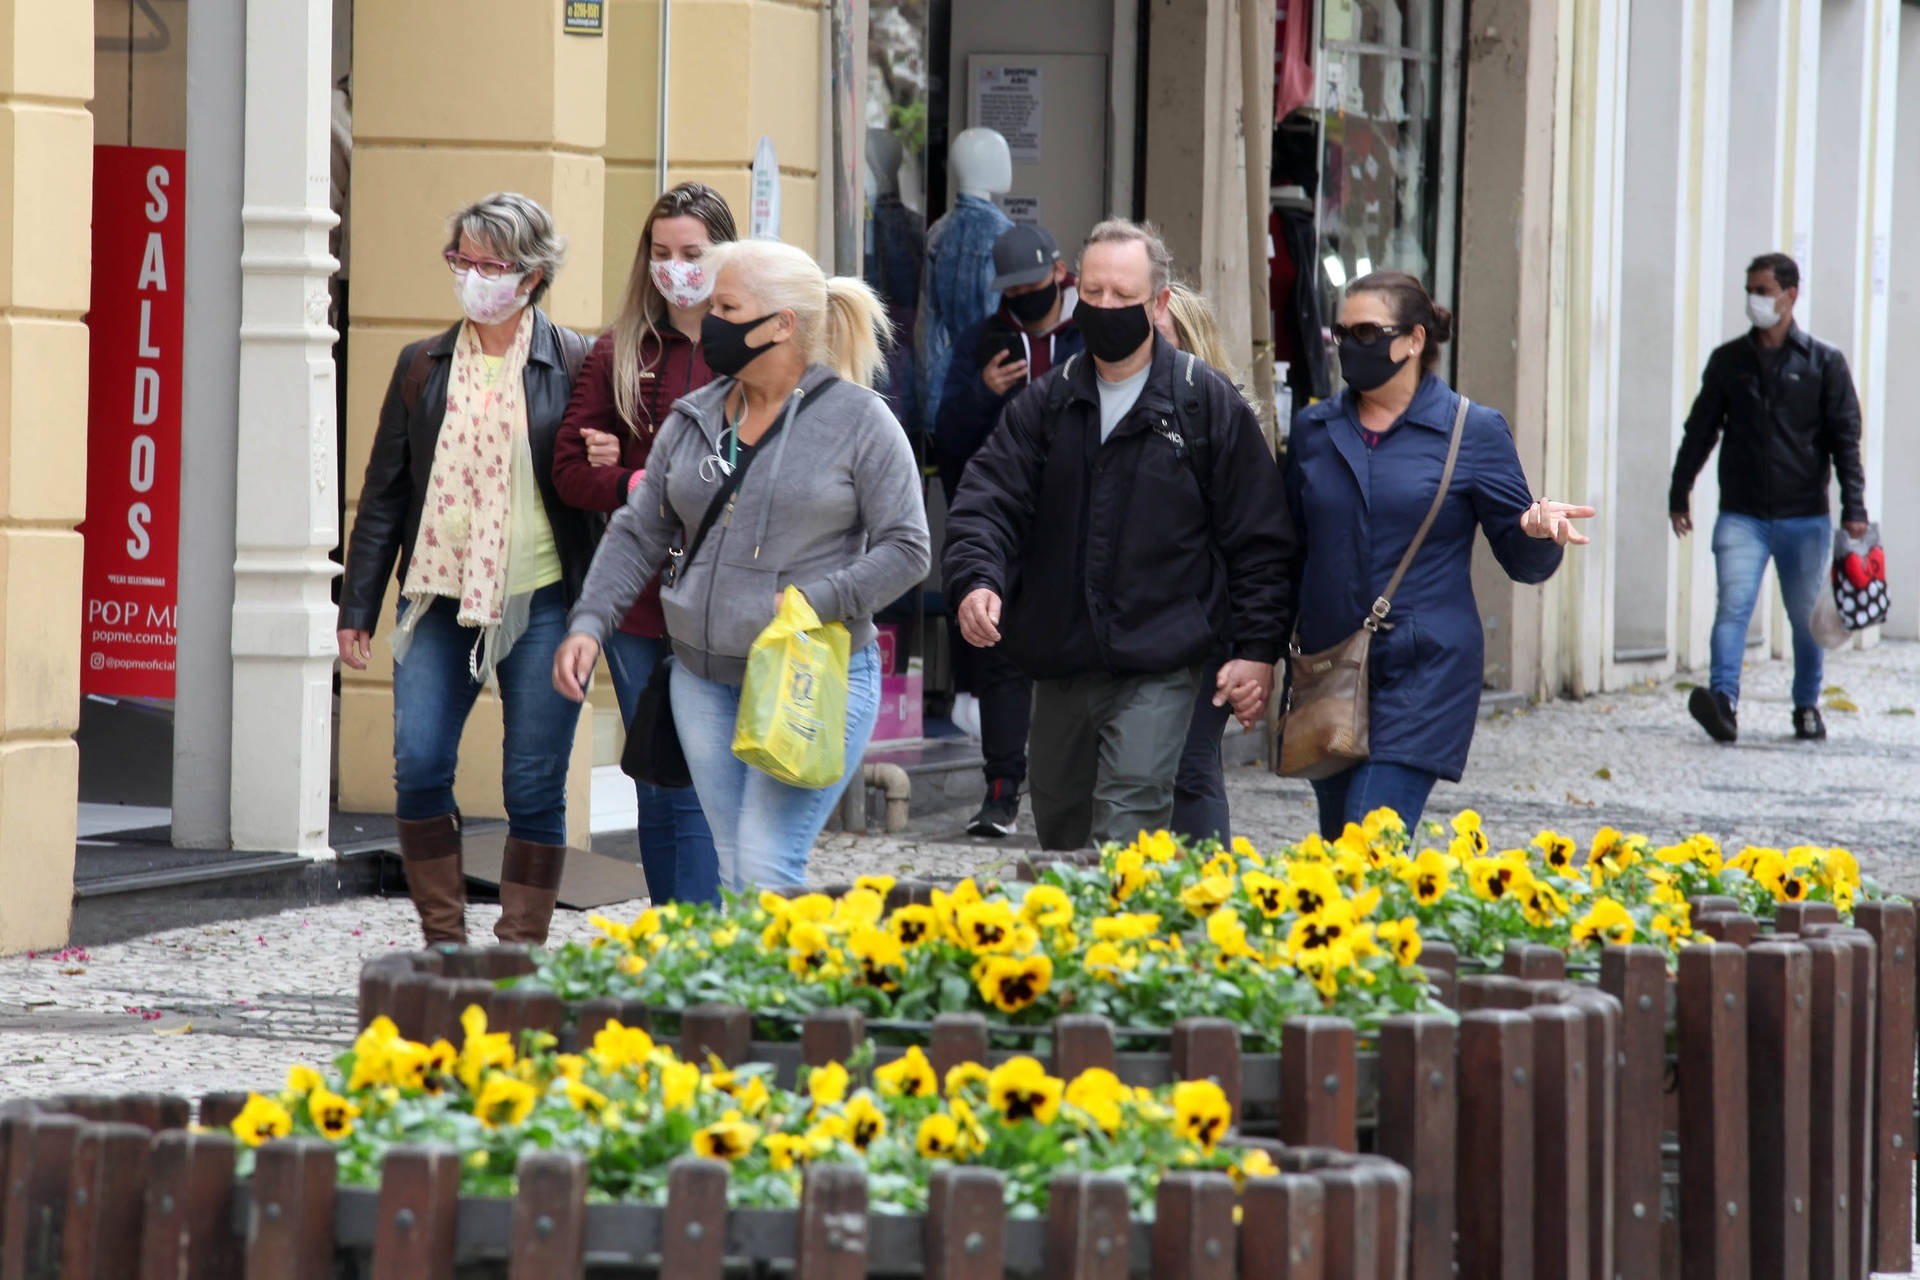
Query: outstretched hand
[1554,520]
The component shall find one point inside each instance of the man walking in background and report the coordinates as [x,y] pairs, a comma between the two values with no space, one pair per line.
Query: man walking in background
[1785,404]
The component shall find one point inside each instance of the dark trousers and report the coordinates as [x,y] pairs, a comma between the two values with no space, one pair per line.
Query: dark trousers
[1006,708]
[1200,786]
[1104,753]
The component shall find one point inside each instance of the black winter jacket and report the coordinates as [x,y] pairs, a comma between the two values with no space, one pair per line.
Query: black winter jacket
[1785,436]
[402,464]
[1111,558]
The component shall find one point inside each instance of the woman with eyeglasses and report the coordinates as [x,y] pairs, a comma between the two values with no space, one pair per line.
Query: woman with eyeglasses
[459,497]
[1362,471]
[635,373]
[800,477]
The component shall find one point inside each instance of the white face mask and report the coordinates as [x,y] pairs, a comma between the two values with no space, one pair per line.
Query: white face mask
[485,301]
[683,284]
[1764,312]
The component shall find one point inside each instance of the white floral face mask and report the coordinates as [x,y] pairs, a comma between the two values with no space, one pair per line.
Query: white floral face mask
[485,301]
[683,284]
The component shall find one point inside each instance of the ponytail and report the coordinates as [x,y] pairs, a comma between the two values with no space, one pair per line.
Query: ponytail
[857,331]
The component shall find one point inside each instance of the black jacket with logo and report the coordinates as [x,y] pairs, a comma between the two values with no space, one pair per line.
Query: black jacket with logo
[1786,432]
[1116,558]
[401,465]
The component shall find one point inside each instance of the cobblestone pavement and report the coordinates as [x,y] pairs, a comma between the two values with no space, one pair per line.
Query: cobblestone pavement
[230,1006]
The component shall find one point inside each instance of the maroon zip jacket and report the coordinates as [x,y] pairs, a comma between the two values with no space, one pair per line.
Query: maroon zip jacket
[672,367]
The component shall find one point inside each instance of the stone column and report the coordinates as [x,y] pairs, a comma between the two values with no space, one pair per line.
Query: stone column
[1505,348]
[284,519]
[1196,164]
[448,107]
[46,188]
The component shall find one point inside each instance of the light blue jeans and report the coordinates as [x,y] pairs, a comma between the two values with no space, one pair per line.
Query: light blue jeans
[676,848]
[1801,549]
[763,828]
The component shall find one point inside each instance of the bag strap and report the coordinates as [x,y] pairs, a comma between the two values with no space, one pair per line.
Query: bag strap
[419,369]
[1381,606]
[731,485]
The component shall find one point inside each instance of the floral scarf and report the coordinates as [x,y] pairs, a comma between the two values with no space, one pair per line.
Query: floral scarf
[466,538]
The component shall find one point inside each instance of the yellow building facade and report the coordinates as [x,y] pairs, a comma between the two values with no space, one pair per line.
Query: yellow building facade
[46,165]
[573,121]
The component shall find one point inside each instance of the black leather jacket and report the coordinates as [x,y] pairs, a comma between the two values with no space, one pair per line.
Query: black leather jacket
[1787,434]
[402,464]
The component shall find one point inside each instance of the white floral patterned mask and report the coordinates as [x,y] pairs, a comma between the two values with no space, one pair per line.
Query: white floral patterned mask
[683,284]
[487,301]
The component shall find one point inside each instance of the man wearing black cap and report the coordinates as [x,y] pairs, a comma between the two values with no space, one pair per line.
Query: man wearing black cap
[1031,333]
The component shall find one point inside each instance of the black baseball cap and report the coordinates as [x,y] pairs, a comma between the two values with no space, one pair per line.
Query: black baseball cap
[1024,254]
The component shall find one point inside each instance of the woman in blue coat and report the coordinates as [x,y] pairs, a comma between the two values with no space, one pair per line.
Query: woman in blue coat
[1361,473]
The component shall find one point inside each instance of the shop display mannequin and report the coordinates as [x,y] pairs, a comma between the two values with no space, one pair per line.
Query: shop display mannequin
[896,247]
[956,285]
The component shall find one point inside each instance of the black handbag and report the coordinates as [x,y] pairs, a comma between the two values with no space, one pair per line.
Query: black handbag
[653,754]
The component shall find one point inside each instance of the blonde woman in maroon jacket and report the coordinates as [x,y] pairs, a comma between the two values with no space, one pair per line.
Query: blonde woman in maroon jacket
[646,361]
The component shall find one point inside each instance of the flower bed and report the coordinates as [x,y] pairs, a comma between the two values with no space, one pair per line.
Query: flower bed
[630,1106]
[1157,931]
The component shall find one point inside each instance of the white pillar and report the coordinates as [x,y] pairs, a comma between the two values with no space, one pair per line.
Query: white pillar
[1704,241]
[1655,380]
[1900,522]
[285,522]
[203,679]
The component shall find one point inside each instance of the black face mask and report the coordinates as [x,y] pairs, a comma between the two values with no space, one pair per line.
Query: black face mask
[1369,366]
[724,344]
[1113,333]
[1031,308]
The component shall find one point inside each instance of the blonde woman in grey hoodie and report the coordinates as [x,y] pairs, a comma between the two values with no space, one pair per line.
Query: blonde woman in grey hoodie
[803,479]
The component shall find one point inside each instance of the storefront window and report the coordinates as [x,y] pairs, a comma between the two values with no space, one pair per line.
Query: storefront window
[1380,93]
[1363,162]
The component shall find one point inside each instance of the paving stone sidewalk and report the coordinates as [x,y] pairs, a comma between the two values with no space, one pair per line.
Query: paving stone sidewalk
[230,1006]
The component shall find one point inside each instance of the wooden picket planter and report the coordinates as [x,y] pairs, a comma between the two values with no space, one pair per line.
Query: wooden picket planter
[1779,1064]
[116,1200]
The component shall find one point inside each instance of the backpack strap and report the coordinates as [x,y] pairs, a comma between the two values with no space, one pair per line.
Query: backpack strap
[1191,419]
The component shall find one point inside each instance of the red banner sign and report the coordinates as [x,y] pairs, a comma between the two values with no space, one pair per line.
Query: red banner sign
[136,324]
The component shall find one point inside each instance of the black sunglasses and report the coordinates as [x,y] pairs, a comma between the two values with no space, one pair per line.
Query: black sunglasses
[1367,333]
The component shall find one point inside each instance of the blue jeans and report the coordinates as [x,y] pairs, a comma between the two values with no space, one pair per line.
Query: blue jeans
[763,828]
[676,848]
[1801,549]
[433,693]
[1351,796]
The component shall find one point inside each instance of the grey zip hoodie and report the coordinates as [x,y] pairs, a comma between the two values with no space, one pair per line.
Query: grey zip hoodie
[834,509]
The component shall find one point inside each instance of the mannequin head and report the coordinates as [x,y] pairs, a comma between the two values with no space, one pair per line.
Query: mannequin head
[982,165]
[884,155]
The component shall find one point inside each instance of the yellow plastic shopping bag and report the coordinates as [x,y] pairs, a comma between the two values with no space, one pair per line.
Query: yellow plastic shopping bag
[793,706]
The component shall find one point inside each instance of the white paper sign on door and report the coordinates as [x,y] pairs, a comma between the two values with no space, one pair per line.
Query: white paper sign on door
[1007,98]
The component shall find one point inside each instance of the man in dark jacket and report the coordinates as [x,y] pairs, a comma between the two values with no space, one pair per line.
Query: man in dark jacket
[1020,343]
[1786,405]
[1123,515]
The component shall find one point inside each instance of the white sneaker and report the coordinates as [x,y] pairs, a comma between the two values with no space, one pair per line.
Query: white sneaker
[966,715]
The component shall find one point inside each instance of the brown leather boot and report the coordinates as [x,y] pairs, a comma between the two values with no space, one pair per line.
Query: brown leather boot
[529,886]
[430,851]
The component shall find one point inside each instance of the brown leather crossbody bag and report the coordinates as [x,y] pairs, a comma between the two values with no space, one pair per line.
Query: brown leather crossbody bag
[1324,729]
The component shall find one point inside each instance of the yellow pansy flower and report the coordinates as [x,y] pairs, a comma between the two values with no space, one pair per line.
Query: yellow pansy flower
[1010,985]
[331,1114]
[1606,921]
[1020,1089]
[1099,1095]
[260,1120]
[727,1140]
[504,1101]
[1201,1112]
[938,1137]
[908,1076]
[827,1085]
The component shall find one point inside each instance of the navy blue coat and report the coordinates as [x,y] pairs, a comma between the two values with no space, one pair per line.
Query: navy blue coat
[1355,511]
